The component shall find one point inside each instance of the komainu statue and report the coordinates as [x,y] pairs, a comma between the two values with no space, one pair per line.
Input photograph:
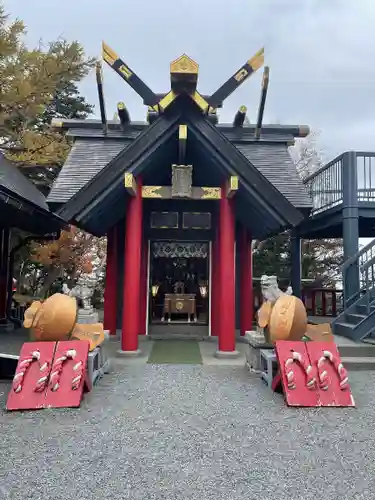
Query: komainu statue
[282,316]
[84,290]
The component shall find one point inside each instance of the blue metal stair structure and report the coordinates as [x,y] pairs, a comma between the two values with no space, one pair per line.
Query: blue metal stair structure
[343,198]
[357,321]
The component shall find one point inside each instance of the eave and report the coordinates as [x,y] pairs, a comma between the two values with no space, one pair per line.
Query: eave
[21,213]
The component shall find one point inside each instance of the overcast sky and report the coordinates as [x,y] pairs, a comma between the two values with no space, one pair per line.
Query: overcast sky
[321,54]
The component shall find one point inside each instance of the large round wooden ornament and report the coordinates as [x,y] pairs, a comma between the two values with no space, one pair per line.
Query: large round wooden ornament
[53,319]
[288,319]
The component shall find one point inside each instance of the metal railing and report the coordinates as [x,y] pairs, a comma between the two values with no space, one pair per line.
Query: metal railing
[318,301]
[364,263]
[326,184]
[366,176]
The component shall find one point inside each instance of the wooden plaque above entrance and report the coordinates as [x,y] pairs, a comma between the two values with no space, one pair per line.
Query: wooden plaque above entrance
[164,220]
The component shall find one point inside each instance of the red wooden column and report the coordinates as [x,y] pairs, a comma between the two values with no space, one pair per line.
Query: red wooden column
[226,302]
[246,282]
[144,289]
[110,292]
[4,271]
[132,274]
[215,286]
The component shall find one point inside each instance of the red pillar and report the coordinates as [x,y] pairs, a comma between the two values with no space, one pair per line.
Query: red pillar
[110,292]
[246,283]
[132,274]
[226,306]
[215,286]
[144,289]
[4,271]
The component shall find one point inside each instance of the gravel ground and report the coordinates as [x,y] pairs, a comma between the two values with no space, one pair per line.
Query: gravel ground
[189,432]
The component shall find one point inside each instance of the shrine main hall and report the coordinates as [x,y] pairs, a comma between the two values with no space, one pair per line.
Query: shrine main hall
[180,197]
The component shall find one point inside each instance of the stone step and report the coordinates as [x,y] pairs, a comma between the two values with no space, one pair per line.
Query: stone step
[176,336]
[356,364]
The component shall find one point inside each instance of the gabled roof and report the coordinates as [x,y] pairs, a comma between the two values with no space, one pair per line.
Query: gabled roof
[85,160]
[109,181]
[12,178]
[92,151]
[22,205]
[101,201]
[274,162]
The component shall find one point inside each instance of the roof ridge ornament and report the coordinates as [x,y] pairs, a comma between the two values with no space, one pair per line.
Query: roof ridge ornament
[184,78]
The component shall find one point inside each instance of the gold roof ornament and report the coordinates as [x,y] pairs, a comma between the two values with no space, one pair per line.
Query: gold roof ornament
[184,65]
[184,73]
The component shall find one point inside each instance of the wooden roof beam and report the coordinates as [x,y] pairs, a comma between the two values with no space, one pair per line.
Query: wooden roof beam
[182,143]
[123,113]
[128,75]
[237,79]
[240,116]
[99,83]
[263,96]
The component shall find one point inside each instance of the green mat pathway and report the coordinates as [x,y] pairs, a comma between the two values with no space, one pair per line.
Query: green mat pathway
[179,352]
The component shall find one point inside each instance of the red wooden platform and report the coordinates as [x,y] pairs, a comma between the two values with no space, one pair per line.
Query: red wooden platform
[50,375]
[311,374]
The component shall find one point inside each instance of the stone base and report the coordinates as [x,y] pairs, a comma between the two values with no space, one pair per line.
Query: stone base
[227,354]
[87,316]
[255,342]
[128,354]
[6,327]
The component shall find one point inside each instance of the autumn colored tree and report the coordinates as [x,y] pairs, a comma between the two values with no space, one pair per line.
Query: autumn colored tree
[36,85]
[65,258]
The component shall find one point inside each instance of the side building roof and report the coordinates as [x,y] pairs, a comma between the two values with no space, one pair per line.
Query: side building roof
[22,205]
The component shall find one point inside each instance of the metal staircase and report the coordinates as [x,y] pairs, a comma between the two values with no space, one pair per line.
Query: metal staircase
[357,321]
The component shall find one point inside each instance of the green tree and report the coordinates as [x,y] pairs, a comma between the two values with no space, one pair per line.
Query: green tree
[320,258]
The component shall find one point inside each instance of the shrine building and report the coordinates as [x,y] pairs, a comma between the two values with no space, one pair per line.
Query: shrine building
[181,197]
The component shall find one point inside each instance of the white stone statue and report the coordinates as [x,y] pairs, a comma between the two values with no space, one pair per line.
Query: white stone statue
[270,288]
[83,291]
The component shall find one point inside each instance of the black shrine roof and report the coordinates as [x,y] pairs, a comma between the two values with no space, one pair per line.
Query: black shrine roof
[22,205]
[90,185]
[93,150]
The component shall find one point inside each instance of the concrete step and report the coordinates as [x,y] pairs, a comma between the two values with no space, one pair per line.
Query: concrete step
[356,364]
[357,350]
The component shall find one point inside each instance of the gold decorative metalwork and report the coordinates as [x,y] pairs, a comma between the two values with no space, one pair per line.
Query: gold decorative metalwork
[151,192]
[129,180]
[179,305]
[257,60]
[184,65]
[167,100]
[200,101]
[182,132]
[233,182]
[211,193]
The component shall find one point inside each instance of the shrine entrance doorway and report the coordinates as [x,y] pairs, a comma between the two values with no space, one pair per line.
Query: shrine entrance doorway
[179,287]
